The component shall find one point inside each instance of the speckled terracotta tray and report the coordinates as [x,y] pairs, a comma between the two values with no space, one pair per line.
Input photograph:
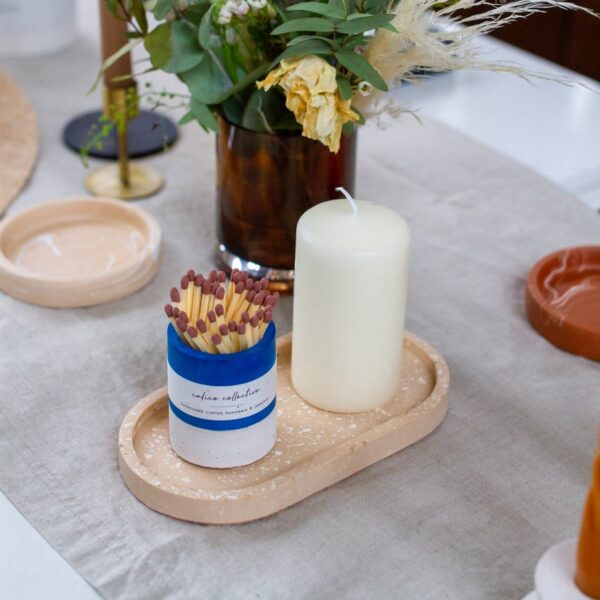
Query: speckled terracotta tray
[314,448]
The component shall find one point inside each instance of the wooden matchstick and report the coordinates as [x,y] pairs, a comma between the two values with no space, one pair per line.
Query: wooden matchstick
[206,288]
[249,336]
[182,326]
[220,312]
[199,341]
[169,312]
[231,287]
[265,322]
[254,329]
[195,313]
[185,294]
[256,303]
[212,297]
[213,326]
[232,306]
[242,336]
[217,340]
[233,335]
[204,332]
[224,333]
[245,303]
[175,296]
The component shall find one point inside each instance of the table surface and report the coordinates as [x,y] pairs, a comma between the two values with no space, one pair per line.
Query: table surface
[505,113]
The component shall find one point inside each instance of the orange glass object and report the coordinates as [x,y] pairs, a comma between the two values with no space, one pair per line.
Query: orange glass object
[587,576]
[264,184]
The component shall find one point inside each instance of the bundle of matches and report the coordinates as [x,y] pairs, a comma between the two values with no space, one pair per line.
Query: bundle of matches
[212,316]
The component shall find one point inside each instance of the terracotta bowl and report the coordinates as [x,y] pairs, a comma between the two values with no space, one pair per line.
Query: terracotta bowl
[78,252]
[563,299]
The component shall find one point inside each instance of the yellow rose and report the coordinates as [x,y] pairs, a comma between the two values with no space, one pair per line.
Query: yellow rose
[311,93]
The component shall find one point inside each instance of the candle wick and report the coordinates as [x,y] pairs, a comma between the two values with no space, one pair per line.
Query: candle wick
[350,199]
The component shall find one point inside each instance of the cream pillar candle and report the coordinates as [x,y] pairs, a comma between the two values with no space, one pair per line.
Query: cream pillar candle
[349,304]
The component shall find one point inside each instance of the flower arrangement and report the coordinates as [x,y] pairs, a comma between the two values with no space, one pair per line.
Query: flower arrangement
[319,67]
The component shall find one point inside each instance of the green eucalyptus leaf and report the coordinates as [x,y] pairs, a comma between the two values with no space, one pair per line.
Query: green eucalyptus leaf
[305,38]
[245,81]
[189,116]
[263,110]
[318,8]
[342,5]
[203,115]
[360,66]
[207,81]
[304,49]
[173,47]
[205,30]
[344,88]
[194,13]
[139,14]
[232,110]
[364,23]
[316,24]
[348,128]
[162,7]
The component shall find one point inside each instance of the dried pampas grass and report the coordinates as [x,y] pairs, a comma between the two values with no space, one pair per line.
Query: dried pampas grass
[442,40]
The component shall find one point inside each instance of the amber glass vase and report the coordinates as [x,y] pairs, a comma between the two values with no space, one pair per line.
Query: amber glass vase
[264,184]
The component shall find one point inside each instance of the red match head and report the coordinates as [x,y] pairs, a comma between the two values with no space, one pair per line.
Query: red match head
[220,293]
[184,282]
[201,325]
[174,294]
[169,310]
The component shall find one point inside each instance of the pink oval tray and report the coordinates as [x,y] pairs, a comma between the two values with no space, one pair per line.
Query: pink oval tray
[314,448]
[78,252]
[563,299]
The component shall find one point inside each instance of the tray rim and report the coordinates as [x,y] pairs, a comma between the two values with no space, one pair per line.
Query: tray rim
[140,269]
[138,477]
[549,321]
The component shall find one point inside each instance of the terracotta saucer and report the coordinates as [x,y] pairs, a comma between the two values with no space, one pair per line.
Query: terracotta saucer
[78,252]
[563,299]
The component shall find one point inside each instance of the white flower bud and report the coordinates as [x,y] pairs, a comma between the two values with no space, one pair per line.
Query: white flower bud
[224,16]
[364,88]
[257,4]
[241,9]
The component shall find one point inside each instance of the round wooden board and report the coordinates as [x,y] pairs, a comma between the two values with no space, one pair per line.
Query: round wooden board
[78,252]
[314,448]
[19,140]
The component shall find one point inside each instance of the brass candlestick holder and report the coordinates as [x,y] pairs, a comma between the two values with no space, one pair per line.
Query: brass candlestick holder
[123,180]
